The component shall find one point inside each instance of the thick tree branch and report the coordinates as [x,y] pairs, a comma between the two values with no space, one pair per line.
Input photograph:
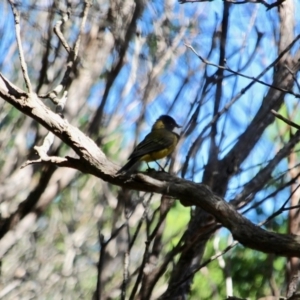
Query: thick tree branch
[94,161]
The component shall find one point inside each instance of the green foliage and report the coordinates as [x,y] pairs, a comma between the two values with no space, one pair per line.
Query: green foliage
[253,271]
[252,274]
[176,223]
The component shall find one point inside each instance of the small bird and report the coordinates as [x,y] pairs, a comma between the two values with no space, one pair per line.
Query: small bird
[159,143]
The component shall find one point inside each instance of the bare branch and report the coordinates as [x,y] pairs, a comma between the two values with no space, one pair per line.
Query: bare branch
[264,175]
[87,5]
[267,5]
[287,121]
[208,261]
[255,79]
[57,31]
[103,244]
[73,52]
[20,47]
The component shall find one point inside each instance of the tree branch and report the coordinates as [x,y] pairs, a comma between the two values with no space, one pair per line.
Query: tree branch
[93,161]
[287,121]
[20,47]
[254,79]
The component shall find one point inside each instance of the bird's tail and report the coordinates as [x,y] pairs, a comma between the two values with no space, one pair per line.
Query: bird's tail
[131,163]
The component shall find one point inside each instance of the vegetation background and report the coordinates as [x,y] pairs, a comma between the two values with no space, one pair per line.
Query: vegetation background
[219,68]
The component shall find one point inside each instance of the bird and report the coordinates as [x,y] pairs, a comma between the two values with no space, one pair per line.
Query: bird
[159,143]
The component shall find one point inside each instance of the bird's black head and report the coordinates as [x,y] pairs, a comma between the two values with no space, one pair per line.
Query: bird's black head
[166,122]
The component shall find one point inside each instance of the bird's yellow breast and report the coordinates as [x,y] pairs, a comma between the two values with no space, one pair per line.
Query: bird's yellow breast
[161,153]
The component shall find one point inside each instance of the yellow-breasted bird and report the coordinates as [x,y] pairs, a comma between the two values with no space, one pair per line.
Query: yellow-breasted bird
[159,143]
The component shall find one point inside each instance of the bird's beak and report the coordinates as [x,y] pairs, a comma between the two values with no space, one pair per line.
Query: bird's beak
[178,126]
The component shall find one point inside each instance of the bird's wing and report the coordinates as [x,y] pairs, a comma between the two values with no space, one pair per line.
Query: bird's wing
[160,141]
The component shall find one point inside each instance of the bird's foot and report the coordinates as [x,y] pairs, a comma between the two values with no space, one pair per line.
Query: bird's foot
[161,168]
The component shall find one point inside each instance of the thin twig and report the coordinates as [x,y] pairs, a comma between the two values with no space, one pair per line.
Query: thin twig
[294,76]
[103,244]
[233,100]
[57,31]
[73,52]
[141,271]
[142,219]
[87,5]
[282,208]
[212,258]
[126,261]
[21,52]
[255,79]
[287,121]
[264,3]
[97,294]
